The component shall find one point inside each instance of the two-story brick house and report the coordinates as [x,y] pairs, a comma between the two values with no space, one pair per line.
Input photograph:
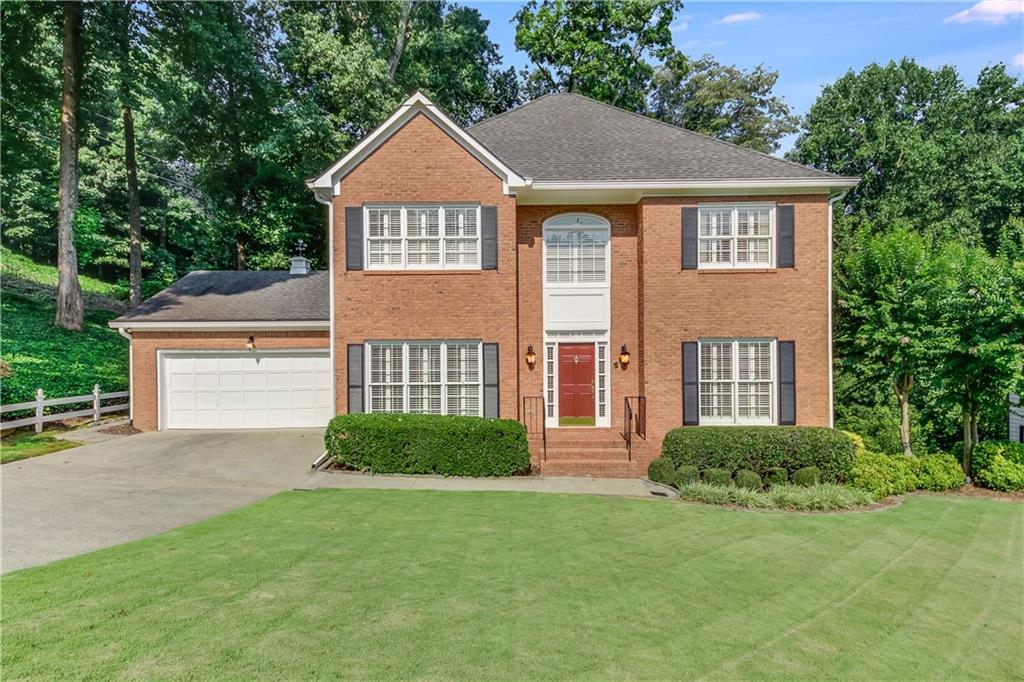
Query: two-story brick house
[567,263]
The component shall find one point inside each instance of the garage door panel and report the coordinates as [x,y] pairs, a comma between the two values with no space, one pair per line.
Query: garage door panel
[239,389]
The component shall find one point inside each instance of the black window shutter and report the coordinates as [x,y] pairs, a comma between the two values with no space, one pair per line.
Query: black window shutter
[490,380]
[489,237]
[784,257]
[355,378]
[354,237]
[787,383]
[691,388]
[689,237]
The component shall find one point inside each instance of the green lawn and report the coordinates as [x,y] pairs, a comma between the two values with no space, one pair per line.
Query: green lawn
[400,584]
[25,445]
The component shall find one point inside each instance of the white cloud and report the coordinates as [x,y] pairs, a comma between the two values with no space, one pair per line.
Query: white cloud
[1018,60]
[681,25]
[691,45]
[988,11]
[740,17]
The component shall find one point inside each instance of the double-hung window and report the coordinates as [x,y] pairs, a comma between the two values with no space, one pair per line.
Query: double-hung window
[737,381]
[576,256]
[425,377]
[422,237]
[735,235]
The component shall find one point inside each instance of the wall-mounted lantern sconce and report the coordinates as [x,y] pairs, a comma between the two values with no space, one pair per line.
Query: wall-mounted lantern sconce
[251,343]
[531,357]
[624,356]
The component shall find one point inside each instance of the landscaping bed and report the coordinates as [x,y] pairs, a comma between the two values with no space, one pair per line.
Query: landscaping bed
[371,584]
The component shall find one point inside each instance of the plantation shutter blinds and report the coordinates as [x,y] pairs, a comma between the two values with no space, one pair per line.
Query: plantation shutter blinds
[787,383]
[490,380]
[356,378]
[689,237]
[489,237]
[353,238]
[691,391]
[784,244]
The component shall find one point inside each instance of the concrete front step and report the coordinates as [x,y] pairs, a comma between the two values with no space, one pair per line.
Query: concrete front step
[588,467]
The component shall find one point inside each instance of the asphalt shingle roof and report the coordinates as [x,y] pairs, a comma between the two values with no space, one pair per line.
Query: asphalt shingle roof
[565,137]
[238,296]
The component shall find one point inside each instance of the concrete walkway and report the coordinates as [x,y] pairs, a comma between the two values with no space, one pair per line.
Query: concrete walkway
[621,487]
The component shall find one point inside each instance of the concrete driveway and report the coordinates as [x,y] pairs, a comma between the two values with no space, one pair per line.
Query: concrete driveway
[104,494]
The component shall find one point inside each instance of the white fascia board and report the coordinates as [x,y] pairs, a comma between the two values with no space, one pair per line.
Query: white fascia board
[254,325]
[780,183]
[417,104]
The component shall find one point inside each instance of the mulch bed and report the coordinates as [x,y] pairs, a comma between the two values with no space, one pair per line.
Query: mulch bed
[971,490]
[121,430]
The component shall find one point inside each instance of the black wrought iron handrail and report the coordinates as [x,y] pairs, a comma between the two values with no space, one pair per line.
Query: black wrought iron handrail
[534,419]
[634,416]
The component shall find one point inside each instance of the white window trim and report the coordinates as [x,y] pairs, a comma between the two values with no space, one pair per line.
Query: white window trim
[405,343]
[732,264]
[589,222]
[405,238]
[773,394]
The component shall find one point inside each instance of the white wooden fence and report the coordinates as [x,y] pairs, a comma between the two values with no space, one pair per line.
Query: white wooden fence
[41,403]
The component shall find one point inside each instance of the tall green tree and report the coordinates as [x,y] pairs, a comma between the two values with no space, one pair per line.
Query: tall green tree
[932,153]
[888,328]
[723,101]
[981,313]
[596,48]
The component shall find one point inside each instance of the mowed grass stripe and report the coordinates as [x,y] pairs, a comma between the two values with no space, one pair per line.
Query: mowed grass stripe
[364,584]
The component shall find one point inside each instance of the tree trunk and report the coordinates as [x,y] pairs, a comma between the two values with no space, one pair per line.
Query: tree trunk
[400,39]
[134,213]
[69,291]
[902,387]
[968,443]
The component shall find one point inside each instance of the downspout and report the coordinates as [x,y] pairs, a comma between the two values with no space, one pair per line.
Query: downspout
[324,458]
[831,387]
[131,385]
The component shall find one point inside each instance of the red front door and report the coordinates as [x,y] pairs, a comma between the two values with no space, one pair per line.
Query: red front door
[576,383]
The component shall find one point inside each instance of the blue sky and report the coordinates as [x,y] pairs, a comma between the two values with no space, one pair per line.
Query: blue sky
[813,43]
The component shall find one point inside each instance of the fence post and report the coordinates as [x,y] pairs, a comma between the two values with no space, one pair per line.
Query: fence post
[95,403]
[39,410]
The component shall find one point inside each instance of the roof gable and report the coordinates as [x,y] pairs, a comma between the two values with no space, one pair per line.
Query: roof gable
[417,104]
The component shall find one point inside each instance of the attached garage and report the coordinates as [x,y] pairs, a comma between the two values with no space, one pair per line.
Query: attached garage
[236,390]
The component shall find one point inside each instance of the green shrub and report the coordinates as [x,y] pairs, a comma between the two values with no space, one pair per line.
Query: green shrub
[775,476]
[761,447]
[818,497]
[999,464]
[716,476]
[857,440]
[686,475]
[662,471]
[806,476]
[939,472]
[745,478]
[708,493]
[428,444]
[884,475]
[1002,473]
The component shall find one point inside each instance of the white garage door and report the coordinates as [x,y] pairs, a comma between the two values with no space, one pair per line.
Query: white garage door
[235,390]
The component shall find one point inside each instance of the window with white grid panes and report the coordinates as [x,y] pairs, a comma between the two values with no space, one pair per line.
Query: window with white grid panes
[737,381]
[735,236]
[576,256]
[425,377]
[422,237]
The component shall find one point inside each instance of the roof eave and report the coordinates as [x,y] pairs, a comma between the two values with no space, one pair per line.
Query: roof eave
[218,325]
[836,182]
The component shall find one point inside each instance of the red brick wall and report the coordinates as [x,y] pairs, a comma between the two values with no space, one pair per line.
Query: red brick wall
[144,361]
[787,303]
[421,163]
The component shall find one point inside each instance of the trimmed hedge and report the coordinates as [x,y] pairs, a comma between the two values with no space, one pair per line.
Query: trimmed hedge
[745,478]
[885,475]
[428,444]
[999,464]
[939,472]
[760,448]
[717,476]
[687,474]
[775,476]
[807,476]
[662,471]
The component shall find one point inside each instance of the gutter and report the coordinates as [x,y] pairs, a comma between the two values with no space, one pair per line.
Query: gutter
[126,333]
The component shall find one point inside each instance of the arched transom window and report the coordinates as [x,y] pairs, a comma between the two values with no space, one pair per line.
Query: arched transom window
[576,249]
